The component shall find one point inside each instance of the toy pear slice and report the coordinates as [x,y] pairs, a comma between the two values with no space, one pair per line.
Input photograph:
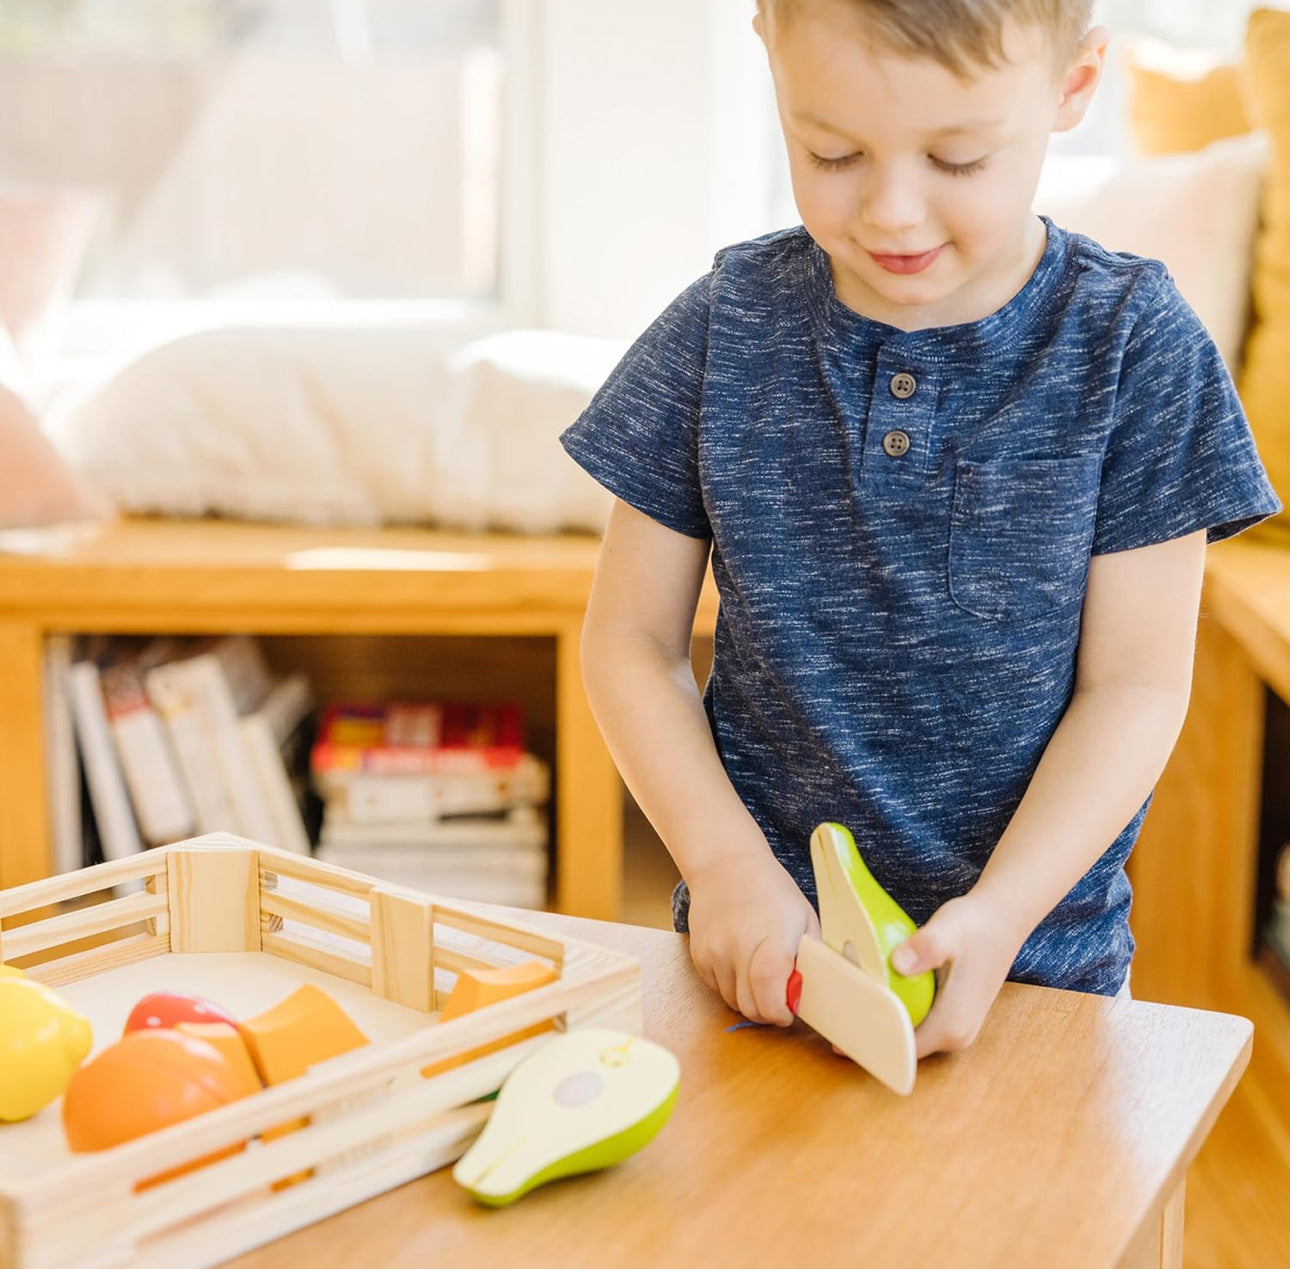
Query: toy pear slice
[861,920]
[585,1101]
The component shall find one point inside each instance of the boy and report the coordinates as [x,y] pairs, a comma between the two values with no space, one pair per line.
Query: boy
[956,469]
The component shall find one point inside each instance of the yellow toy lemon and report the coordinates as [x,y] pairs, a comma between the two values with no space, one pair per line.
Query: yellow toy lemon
[42,1042]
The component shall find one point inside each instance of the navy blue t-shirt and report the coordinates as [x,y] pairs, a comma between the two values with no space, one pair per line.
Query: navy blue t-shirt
[901,525]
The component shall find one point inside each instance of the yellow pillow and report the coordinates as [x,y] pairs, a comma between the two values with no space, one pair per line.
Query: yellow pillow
[1265,381]
[1171,110]
[1177,106]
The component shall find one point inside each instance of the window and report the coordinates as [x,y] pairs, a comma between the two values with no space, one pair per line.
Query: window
[267,149]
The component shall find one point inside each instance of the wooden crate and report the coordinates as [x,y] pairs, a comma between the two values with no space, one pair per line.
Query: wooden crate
[245,925]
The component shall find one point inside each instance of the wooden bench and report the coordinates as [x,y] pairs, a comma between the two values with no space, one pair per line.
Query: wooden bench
[359,587]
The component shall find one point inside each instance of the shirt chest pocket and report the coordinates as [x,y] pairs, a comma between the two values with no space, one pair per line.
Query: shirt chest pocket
[1020,532]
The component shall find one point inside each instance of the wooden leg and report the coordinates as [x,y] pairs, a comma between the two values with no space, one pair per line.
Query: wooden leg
[24,804]
[589,797]
[1159,1245]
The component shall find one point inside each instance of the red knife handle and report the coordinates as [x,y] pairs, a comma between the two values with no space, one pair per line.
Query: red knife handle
[794,989]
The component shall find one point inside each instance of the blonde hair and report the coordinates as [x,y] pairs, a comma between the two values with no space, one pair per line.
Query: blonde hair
[959,34]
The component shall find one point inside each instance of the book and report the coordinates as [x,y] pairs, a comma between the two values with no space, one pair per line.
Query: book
[267,733]
[118,833]
[61,763]
[419,870]
[405,738]
[522,831]
[213,687]
[174,697]
[162,808]
[374,799]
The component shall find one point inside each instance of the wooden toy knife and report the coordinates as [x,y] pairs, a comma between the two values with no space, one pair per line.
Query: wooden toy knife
[840,985]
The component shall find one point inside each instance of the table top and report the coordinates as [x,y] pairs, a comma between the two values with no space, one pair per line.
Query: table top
[1049,1142]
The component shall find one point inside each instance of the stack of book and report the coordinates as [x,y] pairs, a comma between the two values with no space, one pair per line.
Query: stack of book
[439,796]
[174,737]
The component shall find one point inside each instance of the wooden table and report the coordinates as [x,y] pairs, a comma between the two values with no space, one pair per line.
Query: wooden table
[1061,1140]
[164,576]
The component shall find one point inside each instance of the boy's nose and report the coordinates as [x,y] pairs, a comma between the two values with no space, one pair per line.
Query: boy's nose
[892,206]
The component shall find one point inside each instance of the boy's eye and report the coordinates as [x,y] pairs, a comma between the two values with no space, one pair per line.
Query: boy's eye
[957,169]
[833,165]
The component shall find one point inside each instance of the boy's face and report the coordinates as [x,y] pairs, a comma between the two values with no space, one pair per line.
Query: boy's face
[917,184]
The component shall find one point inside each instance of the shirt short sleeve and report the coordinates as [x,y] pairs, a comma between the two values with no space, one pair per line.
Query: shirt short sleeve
[639,436]
[1180,456]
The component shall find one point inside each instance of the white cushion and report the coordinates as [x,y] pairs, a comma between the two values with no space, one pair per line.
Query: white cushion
[1197,212]
[346,426]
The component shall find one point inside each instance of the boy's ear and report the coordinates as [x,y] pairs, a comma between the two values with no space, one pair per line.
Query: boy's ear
[1081,79]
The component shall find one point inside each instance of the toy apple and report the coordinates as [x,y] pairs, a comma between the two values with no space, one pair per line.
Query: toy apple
[42,1042]
[166,1008]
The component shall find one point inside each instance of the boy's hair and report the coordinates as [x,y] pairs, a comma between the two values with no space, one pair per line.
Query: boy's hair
[959,34]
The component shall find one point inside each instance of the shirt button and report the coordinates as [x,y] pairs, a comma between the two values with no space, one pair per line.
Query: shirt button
[896,443]
[903,386]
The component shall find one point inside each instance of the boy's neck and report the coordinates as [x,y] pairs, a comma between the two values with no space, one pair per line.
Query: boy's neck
[979,298]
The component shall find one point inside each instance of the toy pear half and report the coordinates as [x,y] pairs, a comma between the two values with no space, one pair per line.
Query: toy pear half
[861,920]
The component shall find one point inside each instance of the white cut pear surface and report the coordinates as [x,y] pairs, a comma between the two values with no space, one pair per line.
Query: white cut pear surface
[586,1100]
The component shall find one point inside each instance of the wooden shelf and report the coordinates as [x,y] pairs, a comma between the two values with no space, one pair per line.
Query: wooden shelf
[356,587]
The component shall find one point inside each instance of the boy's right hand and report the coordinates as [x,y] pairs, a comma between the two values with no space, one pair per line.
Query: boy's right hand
[747,916]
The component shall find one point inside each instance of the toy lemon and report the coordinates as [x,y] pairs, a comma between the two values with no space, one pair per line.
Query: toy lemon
[42,1042]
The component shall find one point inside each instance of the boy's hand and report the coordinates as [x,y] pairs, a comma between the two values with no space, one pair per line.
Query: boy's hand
[747,917]
[971,949]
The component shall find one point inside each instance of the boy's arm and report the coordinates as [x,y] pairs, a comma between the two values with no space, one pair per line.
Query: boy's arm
[1132,684]
[640,682]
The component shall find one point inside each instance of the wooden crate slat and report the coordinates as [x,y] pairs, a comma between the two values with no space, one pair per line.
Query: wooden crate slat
[332,921]
[315,872]
[208,1243]
[97,960]
[76,885]
[296,949]
[69,926]
[488,928]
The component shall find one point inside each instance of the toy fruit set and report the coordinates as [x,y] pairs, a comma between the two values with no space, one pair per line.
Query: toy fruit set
[178,1056]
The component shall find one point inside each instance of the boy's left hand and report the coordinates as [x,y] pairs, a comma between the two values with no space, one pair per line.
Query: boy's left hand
[971,950]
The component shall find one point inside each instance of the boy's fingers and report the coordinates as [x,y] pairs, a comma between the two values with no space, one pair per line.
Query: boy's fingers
[769,973]
[725,976]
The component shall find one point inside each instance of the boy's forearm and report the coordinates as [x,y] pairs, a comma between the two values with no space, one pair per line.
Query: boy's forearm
[650,713]
[1100,764]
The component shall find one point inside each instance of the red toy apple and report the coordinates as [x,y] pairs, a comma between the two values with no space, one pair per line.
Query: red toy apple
[166,1008]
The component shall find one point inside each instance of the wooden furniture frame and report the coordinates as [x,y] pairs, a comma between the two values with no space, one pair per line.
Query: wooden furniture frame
[157,577]
[1194,868]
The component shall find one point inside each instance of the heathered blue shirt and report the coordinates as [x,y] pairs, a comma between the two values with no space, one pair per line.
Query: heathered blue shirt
[901,526]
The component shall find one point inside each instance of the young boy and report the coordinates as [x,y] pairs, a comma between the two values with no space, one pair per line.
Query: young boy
[956,468]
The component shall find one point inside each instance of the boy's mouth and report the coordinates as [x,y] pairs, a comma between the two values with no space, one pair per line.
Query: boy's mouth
[907,264]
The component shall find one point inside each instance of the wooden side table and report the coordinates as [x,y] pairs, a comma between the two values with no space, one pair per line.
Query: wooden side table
[159,576]
[1061,1139]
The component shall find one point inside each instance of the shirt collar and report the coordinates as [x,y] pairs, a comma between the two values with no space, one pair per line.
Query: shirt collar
[847,330]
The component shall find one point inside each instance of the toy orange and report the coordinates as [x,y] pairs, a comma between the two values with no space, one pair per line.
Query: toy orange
[148,1080]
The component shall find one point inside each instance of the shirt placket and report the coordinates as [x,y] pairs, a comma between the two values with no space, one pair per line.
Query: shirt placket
[898,434]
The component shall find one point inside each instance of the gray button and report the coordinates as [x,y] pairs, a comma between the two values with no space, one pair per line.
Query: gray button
[896,443]
[903,386]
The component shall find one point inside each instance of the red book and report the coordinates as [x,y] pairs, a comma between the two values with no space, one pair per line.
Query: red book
[408,738]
